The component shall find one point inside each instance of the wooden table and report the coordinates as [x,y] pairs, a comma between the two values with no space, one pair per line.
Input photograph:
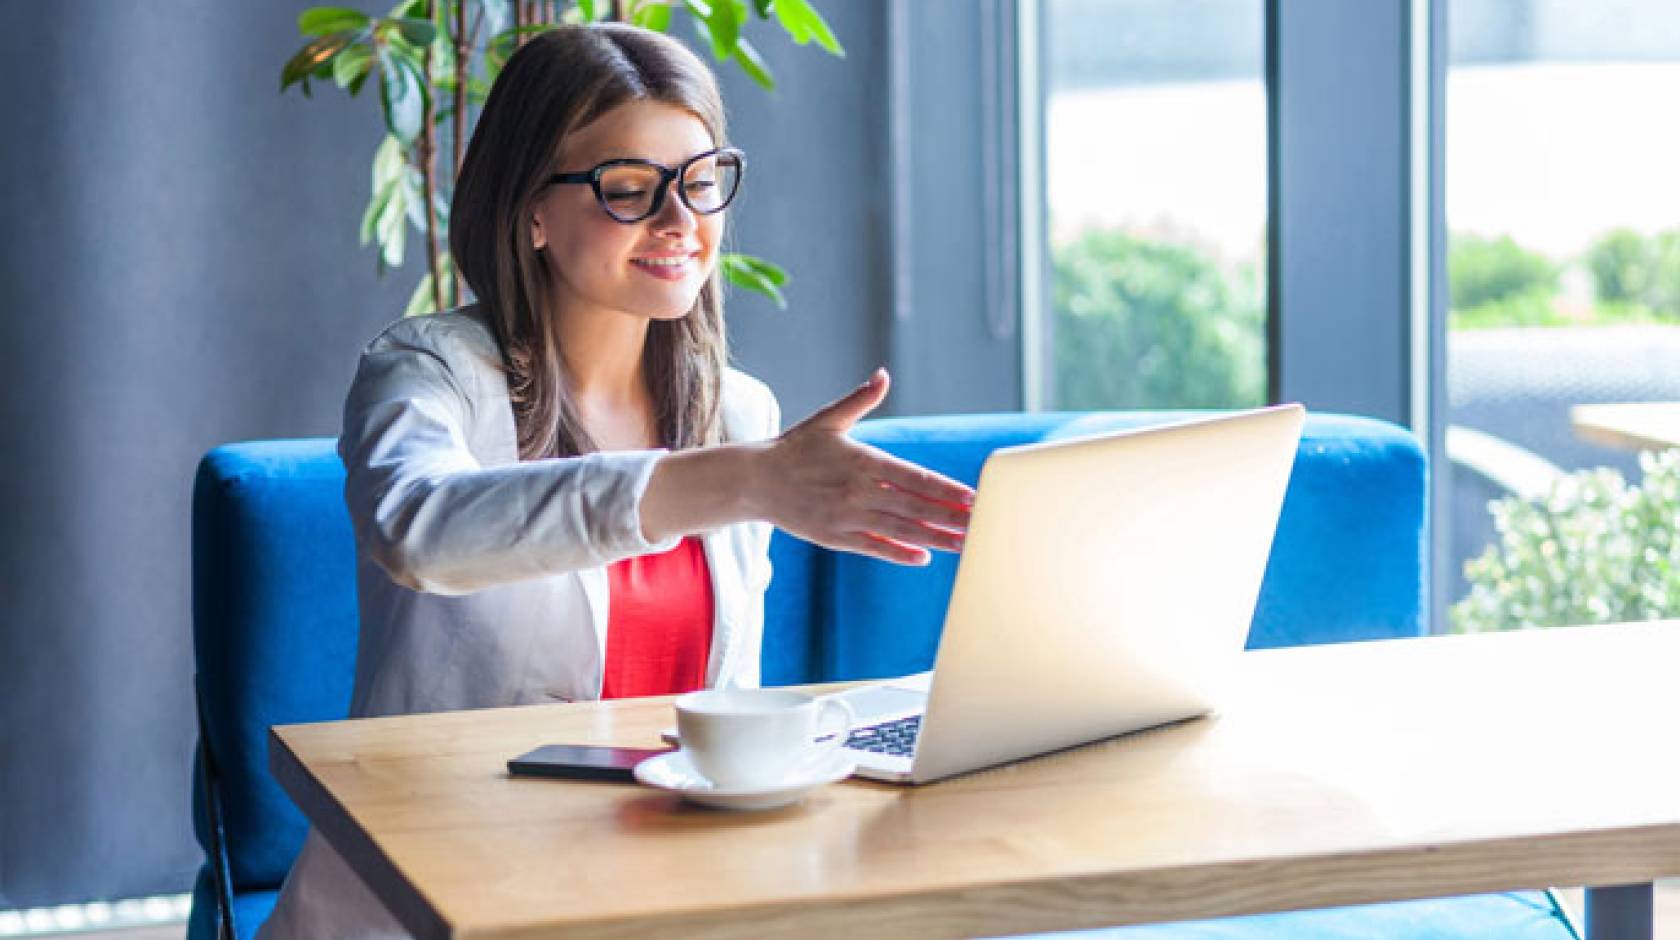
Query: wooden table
[1631,426]
[1333,775]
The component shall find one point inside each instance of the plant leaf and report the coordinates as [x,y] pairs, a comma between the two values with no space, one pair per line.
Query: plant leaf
[725,26]
[376,209]
[388,161]
[414,196]
[442,56]
[588,8]
[401,97]
[420,302]
[319,21]
[745,271]
[311,57]
[804,23]
[825,35]
[762,7]
[774,273]
[446,268]
[752,63]
[794,21]
[419,32]
[654,15]
[440,210]
[496,53]
[390,231]
[352,65]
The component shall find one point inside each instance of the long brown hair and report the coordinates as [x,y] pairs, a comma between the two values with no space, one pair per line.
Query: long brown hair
[554,85]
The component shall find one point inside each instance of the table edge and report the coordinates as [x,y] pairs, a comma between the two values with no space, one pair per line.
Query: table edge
[334,822]
[1124,898]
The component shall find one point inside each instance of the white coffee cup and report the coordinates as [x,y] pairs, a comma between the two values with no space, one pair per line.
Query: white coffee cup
[739,738]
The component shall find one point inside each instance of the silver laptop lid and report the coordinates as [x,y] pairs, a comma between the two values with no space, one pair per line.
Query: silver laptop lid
[1106,585]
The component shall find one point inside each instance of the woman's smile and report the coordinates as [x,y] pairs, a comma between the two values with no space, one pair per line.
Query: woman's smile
[667,267]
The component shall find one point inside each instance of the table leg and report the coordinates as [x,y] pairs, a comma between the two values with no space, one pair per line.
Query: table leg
[1622,912]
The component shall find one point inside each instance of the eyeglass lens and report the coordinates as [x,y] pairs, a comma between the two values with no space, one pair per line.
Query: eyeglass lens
[707,185]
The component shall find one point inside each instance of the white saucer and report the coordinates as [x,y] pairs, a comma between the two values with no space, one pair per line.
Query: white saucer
[672,772]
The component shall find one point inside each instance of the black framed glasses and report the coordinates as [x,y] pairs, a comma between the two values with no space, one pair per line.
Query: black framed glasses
[631,190]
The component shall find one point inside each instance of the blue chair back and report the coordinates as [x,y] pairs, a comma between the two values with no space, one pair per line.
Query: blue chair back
[274,631]
[275,616]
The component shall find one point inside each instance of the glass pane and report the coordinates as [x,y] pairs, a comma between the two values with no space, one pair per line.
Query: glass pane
[1563,213]
[1156,174]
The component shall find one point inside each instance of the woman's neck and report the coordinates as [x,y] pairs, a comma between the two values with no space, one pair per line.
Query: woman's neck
[605,377]
[603,358]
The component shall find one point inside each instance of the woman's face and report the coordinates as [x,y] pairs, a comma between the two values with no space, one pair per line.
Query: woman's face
[654,268]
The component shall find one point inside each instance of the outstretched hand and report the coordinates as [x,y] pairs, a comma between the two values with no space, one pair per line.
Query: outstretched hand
[842,494]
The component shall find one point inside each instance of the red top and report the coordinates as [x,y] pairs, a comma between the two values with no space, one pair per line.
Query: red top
[659,622]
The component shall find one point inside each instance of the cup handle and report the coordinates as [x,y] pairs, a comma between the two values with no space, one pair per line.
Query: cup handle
[833,706]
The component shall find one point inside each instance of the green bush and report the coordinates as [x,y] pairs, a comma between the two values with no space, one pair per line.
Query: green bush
[1485,270]
[1595,550]
[1618,265]
[1147,324]
[1628,268]
[1498,283]
[1533,307]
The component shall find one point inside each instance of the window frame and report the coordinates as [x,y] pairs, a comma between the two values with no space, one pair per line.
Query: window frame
[1356,241]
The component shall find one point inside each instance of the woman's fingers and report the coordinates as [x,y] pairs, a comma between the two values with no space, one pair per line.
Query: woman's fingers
[839,415]
[911,532]
[921,481]
[889,498]
[863,543]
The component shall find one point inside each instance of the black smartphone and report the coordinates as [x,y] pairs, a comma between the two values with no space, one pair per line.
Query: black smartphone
[582,762]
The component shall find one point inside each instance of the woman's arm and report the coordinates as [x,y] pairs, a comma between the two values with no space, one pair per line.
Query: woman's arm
[816,483]
[433,518]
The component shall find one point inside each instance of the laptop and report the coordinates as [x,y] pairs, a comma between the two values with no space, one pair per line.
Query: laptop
[1106,586]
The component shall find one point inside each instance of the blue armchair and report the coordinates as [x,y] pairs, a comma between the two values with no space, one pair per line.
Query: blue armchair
[275,633]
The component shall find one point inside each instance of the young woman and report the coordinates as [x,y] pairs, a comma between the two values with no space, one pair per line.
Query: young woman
[562,492]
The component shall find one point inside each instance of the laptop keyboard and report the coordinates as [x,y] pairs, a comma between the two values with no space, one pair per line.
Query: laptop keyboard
[897,738]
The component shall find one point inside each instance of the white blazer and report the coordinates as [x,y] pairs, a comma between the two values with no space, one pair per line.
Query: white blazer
[481,578]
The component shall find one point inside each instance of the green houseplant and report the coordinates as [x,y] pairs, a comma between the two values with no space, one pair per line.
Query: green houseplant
[433,62]
[1594,550]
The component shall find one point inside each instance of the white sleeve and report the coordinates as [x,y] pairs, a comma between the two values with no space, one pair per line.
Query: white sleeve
[437,521]
[764,572]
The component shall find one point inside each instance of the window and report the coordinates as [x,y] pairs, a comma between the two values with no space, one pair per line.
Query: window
[1155,170]
[1563,213]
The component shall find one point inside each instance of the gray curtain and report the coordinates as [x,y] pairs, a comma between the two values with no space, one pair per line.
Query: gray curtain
[180,269]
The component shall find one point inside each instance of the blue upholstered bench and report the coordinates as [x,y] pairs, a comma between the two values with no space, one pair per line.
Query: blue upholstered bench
[275,633]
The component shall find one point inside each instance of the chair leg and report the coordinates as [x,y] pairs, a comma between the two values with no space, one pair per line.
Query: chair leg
[221,874]
[1620,912]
